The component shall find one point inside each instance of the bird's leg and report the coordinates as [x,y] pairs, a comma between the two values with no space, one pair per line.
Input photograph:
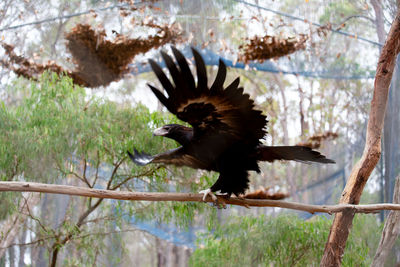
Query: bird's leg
[208,192]
[216,201]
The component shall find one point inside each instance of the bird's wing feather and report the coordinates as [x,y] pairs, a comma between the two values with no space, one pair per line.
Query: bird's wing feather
[175,156]
[297,153]
[219,116]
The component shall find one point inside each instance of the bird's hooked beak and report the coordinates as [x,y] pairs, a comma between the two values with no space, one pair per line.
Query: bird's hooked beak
[160,132]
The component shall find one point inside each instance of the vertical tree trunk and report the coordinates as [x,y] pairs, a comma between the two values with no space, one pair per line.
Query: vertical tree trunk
[334,248]
[2,262]
[11,256]
[380,30]
[22,249]
[379,22]
[390,231]
[387,146]
[184,256]
[303,123]
[285,110]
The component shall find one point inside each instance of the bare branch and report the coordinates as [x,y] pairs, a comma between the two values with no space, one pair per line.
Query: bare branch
[354,17]
[97,169]
[114,172]
[185,197]
[146,173]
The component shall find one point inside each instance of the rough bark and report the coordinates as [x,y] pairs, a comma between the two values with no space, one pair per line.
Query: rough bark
[390,231]
[334,248]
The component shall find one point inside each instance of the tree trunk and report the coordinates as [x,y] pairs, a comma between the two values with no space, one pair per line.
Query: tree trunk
[379,22]
[22,249]
[390,231]
[11,256]
[334,248]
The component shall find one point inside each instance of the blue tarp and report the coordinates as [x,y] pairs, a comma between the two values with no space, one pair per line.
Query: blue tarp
[212,59]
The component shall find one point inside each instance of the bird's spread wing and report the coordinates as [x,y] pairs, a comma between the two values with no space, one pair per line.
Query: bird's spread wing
[175,156]
[219,116]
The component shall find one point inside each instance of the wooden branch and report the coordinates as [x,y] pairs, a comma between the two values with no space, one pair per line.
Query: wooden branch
[187,197]
[334,248]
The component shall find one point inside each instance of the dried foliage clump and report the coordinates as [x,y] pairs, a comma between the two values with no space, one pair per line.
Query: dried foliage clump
[266,193]
[316,140]
[98,60]
[267,47]
[26,67]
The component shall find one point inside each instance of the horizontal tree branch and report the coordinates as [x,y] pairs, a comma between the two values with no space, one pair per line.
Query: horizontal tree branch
[187,197]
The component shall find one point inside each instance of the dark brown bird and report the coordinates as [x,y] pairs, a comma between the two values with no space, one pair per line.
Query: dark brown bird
[226,128]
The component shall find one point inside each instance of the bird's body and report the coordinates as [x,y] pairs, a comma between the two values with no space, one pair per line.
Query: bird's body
[226,128]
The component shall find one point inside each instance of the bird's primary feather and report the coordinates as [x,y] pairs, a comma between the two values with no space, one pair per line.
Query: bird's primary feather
[226,127]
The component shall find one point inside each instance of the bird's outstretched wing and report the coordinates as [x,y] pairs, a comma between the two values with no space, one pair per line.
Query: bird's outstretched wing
[219,116]
[176,156]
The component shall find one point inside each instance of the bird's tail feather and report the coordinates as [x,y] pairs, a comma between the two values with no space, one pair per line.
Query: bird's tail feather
[140,158]
[296,153]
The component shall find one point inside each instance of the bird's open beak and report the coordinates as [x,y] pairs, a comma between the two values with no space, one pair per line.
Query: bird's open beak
[160,132]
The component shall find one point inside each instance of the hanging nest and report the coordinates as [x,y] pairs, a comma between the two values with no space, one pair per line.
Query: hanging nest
[98,61]
[315,141]
[267,47]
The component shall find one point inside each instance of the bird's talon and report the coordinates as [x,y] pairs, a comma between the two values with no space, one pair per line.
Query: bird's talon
[217,202]
[208,192]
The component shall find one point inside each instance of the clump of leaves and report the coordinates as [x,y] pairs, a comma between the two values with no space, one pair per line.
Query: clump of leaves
[281,241]
[267,47]
[98,61]
[26,67]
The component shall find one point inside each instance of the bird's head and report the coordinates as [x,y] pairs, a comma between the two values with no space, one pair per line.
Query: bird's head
[179,133]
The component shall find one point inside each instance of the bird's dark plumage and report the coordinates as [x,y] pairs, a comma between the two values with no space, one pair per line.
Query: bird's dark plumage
[226,128]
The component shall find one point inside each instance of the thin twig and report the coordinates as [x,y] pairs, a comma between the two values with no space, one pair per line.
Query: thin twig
[114,172]
[146,173]
[187,197]
[84,172]
[97,169]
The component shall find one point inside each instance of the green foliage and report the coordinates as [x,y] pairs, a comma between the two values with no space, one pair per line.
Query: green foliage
[55,126]
[57,134]
[281,241]
[335,12]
